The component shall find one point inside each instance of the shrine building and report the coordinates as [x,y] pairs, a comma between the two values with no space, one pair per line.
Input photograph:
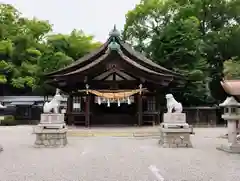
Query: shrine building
[113,85]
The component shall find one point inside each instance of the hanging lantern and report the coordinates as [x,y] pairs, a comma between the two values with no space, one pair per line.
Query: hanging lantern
[108,103]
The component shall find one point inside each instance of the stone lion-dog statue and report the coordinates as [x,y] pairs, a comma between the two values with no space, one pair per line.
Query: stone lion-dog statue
[54,104]
[238,138]
[172,105]
[1,106]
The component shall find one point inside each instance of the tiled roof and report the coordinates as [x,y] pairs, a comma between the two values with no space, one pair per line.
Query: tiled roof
[135,64]
[145,59]
[96,54]
[23,98]
[82,59]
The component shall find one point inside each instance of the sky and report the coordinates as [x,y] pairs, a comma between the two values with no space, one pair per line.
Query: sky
[94,17]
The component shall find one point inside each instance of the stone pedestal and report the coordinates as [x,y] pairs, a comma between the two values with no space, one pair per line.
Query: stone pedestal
[174,131]
[50,137]
[49,120]
[51,131]
[232,131]
[230,148]
[233,146]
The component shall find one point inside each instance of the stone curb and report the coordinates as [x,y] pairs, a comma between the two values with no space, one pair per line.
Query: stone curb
[99,134]
[112,134]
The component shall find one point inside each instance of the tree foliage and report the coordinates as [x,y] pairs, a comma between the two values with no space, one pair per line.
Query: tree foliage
[198,38]
[231,69]
[193,37]
[28,49]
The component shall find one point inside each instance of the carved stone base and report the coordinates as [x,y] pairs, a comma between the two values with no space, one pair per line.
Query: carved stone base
[175,138]
[50,137]
[52,126]
[179,118]
[231,148]
[174,131]
[52,118]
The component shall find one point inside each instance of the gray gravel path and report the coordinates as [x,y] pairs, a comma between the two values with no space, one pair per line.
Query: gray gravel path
[115,159]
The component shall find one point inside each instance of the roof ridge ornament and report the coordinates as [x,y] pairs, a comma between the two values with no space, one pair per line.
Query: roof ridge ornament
[114,32]
[114,45]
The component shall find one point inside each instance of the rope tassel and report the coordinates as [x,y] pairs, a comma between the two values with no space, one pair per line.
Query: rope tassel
[99,101]
[128,100]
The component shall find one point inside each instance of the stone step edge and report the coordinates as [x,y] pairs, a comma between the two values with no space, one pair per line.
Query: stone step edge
[118,134]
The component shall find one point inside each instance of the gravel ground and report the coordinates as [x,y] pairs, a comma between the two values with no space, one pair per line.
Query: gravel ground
[115,159]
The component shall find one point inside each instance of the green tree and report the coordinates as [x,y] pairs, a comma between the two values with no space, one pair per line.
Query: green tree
[28,51]
[193,37]
[19,47]
[232,69]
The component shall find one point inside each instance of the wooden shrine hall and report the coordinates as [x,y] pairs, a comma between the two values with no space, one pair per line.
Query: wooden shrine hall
[113,85]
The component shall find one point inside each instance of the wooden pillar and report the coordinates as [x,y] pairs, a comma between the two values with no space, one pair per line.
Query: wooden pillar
[69,110]
[87,110]
[157,109]
[140,112]
[197,117]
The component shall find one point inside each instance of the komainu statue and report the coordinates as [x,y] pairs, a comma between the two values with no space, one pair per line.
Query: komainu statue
[54,104]
[173,105]
[1,106]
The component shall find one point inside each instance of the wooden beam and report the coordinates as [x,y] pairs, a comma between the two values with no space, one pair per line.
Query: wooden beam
[125,75]
[103,75]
